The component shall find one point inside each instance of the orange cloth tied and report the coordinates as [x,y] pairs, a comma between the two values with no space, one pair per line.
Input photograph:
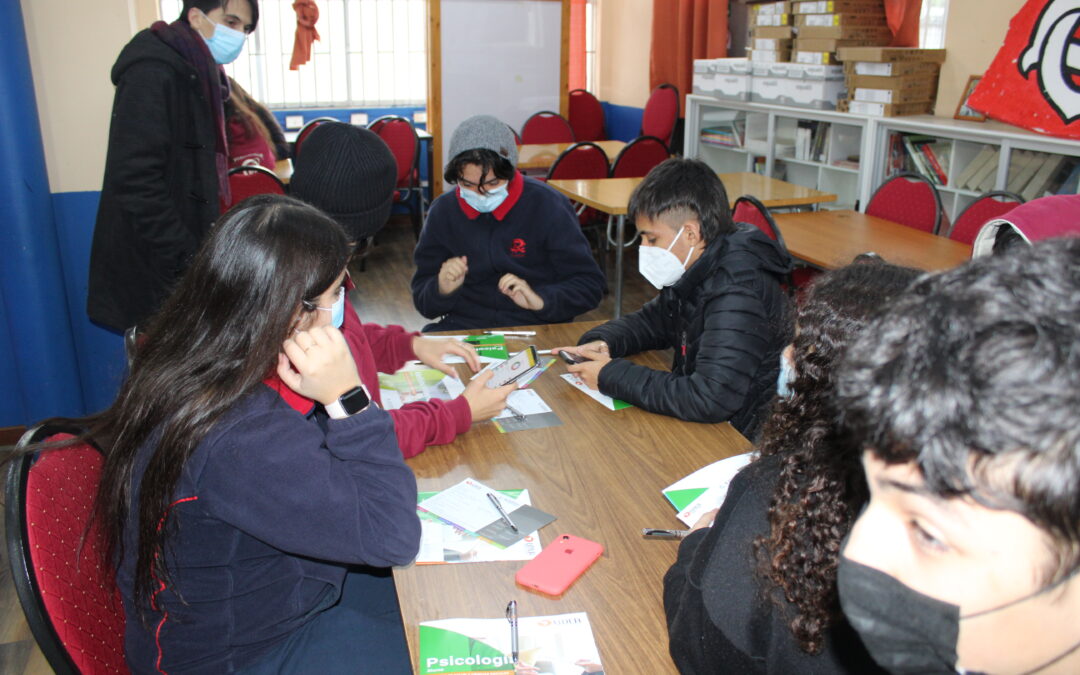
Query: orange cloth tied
[307,14]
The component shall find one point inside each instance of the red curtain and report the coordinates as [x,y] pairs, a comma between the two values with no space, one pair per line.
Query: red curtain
[307,14]
[903,18]
[576,76]
[684,30]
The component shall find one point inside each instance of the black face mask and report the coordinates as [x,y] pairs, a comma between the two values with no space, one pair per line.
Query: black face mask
[904,630]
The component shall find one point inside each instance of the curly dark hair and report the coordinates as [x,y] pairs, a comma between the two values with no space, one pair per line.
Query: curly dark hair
[821,487]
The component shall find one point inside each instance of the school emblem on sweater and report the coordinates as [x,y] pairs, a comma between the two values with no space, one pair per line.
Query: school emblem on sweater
[1034,81]
[517,248]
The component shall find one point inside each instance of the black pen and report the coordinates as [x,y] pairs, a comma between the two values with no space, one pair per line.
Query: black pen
[511,616]
[502,512]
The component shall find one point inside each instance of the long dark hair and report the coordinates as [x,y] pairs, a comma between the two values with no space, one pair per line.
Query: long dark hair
[821,487]
[215,339]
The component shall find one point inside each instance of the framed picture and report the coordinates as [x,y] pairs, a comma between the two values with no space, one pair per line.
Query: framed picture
[963,112]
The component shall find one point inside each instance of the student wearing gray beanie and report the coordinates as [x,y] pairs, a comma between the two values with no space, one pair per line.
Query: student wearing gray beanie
[500,249]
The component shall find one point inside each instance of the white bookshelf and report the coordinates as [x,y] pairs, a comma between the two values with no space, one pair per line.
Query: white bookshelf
[770,131]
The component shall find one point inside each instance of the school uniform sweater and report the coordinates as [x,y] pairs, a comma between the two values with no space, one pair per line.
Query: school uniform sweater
[385,349]
[534,234]
[268,511]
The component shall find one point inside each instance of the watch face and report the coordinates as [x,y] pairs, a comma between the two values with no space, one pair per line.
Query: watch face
[355,400]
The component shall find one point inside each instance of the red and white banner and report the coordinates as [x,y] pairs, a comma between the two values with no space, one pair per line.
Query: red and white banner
[1034,81]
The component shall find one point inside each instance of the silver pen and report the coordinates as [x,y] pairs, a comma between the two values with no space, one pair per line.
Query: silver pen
[524,333]
[658,533]
[518,415]
[502,512]
[511,616]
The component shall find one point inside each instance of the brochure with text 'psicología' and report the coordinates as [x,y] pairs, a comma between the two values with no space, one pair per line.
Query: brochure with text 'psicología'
[561,644]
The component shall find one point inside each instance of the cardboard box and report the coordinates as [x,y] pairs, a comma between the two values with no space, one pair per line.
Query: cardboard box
[770,20]
[901,69]
[771,43]
[889,109]
[839,6]
[893,89]
[822,45]
[783,7]
[881,34]
[840,20]
[769,55]
[891,54]
[773,32]
[814,58]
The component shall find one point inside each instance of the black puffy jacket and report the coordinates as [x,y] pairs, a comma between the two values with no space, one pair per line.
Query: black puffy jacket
[726,319]
[160,192]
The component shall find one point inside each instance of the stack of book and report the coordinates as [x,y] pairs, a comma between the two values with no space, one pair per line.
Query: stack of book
[770,32]
[812,140]
[1031,174]
[927,156]
[726,135]
[891,81]
[822,27]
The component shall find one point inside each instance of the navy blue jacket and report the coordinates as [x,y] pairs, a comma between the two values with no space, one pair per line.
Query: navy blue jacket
[534,235]
[268,511]
[727,321]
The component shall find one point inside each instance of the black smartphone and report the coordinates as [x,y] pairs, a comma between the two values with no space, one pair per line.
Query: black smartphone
[571,358]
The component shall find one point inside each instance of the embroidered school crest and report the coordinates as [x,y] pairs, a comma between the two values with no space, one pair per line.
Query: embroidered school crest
[517,248]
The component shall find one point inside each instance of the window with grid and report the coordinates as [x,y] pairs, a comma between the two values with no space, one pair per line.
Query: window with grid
[372,54]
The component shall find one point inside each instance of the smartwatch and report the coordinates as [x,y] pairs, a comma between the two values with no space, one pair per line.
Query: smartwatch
[351,402]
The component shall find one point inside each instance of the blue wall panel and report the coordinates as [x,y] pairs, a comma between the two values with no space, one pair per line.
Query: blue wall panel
[100,352]
[622,122]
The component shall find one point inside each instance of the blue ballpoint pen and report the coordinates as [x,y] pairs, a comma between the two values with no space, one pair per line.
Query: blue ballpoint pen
[511,616]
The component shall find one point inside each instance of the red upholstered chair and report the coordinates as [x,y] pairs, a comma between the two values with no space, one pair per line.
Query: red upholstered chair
[661,113]
[981,211]
[639,157]
[908,199]
[749,209]
[547,127]
[586,116]
[69,597]
[307,129]
[399,134]
[579,161]
[246,181]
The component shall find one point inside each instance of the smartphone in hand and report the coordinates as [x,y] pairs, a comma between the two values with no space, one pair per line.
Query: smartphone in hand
[513,368]
[571,359]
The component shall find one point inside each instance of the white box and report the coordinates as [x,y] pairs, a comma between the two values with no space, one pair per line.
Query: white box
[704,77]
[811,93]
[768,84]
[732,80]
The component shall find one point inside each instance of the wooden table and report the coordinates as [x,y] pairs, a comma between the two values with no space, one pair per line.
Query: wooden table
[543,155]
[612,195]
[601,473]
[831,239]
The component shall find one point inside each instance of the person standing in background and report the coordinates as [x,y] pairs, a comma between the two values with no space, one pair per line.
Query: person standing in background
[255,138]
[167,162]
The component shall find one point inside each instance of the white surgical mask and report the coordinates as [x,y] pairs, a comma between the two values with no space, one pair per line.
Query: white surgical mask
[337,310]
[487,202]
[785,378]
[659,265]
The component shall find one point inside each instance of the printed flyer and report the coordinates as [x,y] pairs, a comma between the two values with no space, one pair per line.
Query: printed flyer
[562,644]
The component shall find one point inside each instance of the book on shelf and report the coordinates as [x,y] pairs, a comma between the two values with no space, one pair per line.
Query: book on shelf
[1040,183]
[1070,184]
[984,178]
[721,135]
[1022,166]
[970,177]
[936,154]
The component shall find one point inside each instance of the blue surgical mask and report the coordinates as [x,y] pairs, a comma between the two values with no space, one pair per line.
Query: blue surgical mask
[225,44]
[337,310]
[485,203]
[786,377]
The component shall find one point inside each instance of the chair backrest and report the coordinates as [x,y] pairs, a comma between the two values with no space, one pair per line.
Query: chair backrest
[661,113]
[245,181]
[908,199]
[399,134]
[68,595]
[580,160]
[748,209]
[981,211]
[547,127]
[307,129]
[586,116]
[639,157]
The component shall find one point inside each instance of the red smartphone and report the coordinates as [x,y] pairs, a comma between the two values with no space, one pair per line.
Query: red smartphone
[559,564]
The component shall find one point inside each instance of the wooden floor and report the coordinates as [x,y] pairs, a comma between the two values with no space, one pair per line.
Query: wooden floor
[383,297]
